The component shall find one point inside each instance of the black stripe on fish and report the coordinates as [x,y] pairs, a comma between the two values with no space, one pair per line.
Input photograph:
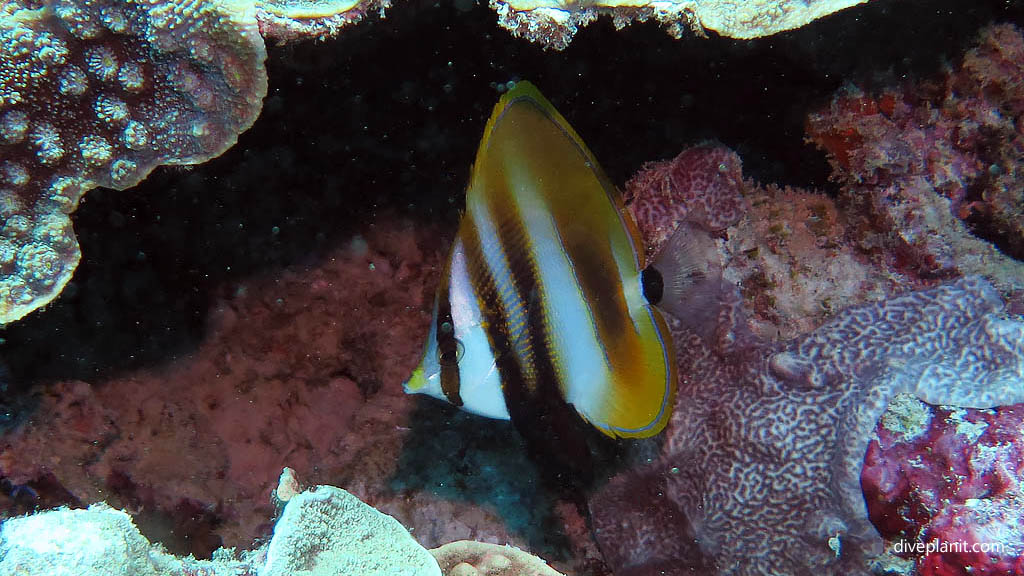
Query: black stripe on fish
[548,424]
[492,309]
[447,344]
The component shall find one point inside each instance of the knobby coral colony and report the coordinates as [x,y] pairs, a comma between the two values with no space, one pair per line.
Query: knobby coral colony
[100,92]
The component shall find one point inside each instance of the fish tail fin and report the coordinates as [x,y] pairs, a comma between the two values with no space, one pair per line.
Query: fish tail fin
[691,277]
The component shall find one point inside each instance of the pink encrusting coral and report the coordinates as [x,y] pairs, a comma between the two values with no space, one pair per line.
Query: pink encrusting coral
[98,93]
[277,382]
[946,485]
[783,247]
[703,185]
[933,172]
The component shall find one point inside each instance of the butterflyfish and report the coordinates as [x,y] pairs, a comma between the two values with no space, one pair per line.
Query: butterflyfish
[545,296]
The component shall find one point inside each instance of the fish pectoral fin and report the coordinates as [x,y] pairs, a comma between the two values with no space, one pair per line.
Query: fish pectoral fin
[691,272]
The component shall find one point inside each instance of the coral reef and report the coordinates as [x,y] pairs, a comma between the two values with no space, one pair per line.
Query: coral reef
[932,172]
[831,319]
[941,476]
[763,459]
[324,531]
[554,22]
[99,94]
[297,367]
[139,85]
[785,248]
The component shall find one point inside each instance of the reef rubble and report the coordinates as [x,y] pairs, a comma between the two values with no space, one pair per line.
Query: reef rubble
[931,173]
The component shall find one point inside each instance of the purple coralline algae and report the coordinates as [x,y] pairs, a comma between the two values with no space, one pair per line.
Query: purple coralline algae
[933,172]
[98,93]
[946,485]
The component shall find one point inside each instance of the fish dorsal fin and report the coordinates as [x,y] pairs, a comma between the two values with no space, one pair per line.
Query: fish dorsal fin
[565,255]
[526,92]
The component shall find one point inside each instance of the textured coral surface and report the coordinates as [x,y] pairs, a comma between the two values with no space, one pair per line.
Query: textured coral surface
[703,185]
[554,22]
[324,531]
[762,465]
[99,93]
[290,20]
[766,452]
[934,171]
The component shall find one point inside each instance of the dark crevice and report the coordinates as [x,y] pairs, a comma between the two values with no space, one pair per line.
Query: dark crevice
[388,116]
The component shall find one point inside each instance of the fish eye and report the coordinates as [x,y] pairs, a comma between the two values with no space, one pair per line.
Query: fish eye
[446,327]
[451,353]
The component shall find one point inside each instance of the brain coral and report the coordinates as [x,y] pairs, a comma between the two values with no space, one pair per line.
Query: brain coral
[764,451]
[98,93]
[703,185]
